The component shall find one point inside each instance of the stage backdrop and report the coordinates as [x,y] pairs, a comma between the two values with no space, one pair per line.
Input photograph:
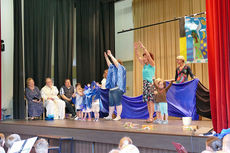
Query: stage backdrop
[94,34]
[163,40]
[193,39]
[181,100]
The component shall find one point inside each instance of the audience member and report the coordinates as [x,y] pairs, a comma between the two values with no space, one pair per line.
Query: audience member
[41,146]
[125,146]
[130,148]
[213,144]
[124,142]
[11,139]
[2,142]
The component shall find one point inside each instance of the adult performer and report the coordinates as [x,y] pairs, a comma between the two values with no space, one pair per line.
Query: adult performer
[148,73]
[182,71]
[116,83]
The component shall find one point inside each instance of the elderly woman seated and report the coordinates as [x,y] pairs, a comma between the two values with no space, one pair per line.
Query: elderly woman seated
[35,105]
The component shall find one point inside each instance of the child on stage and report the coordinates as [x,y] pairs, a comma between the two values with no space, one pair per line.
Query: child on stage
[161,99]
[96,100]
[78,101]
[87,103]
[156,104]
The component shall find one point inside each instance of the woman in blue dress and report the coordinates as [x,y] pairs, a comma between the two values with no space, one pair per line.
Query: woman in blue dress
[35,105]
[116,83]
[148,72]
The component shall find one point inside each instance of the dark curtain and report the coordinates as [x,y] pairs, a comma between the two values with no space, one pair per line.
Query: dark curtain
[38,31]
[18,88]
[218,31]
[94,35]
[63,41]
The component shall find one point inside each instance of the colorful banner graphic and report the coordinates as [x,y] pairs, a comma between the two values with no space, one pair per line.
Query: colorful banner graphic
[193,44]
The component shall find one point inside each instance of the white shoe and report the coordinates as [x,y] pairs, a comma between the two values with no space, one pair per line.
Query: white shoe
[118,118]
[108,118]
[76,118]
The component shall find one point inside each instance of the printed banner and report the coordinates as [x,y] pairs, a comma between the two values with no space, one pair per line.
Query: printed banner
[193,41]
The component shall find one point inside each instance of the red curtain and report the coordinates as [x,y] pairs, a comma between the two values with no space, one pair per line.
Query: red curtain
[218,34]
[0,69]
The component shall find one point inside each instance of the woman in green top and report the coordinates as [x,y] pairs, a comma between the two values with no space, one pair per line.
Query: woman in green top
[148,76]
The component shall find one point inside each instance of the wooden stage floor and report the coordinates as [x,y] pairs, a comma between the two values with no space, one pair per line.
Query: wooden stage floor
[109,132]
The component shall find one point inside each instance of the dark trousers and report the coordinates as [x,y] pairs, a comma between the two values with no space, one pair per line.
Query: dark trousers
[70,108]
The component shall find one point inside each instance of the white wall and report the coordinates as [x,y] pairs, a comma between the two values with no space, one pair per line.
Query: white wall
[124,41]
[123,21]
[7,56]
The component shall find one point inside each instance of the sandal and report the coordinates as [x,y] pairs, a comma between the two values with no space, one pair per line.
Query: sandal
[150,120]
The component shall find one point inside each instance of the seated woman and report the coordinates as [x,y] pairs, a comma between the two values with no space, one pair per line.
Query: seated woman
[35,105]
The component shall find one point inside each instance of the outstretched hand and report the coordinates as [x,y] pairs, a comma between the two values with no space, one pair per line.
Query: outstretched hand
[109,53]
[135,45]
[105,54]
[141,45]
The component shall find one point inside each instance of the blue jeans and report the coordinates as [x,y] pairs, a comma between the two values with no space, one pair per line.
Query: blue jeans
[115,96]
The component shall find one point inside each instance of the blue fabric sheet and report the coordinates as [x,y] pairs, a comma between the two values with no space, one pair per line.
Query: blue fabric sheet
[181,102]
[181,99]
[116,77]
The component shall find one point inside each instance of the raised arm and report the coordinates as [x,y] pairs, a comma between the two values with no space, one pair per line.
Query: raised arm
[170,84]
[151,61]
[115,62]
[137,54]
[107,59]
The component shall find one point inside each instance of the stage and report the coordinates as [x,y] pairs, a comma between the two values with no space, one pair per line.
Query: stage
[102,136]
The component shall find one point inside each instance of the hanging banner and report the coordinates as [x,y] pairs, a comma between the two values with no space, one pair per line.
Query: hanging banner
[193,39]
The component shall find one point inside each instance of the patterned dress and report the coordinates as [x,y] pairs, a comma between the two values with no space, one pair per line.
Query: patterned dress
[34,109]
[182,75]
[148,73]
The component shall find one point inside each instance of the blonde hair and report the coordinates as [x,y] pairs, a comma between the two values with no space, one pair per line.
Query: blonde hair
[28,80]
[158,80]
[124,142]
[180,58]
